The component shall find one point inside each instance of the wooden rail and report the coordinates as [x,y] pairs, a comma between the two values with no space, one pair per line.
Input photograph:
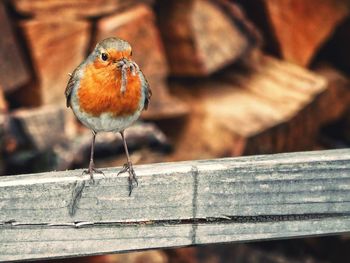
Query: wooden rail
[59,214]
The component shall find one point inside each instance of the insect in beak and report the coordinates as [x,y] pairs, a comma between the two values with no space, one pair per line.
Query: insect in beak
[124,65]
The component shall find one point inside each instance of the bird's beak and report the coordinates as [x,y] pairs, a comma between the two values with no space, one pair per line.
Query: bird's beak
[118,63]
[121,62]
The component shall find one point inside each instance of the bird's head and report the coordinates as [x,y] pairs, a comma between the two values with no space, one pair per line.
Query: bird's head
[110,51]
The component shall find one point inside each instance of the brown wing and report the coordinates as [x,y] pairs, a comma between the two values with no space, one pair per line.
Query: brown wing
[148,94]
[68,91]
[146,89]
[70,86]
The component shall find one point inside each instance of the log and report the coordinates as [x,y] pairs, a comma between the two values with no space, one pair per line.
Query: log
[154,256]
[75,151]
[3,116]
[293,28]
[72,9]
[57,47]
[336,50]
[3,102]
[60,214]
[202,37]
[246,253]
[335,133]
[28,148]
[13,68]
[137,26]
[39,128]
[335,102]
[273,107]
[2,142]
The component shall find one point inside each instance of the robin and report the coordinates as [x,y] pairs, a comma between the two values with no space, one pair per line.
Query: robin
[107,93]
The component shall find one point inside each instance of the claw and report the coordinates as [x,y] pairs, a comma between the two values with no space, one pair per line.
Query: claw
[127,167]
[91,170]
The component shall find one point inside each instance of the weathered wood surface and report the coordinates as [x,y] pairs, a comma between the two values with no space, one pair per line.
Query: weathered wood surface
[60,214]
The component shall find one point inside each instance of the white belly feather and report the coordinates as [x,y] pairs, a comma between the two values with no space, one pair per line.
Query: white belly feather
[106,121]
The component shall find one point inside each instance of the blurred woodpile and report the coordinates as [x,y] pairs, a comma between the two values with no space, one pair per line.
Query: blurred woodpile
[229,78]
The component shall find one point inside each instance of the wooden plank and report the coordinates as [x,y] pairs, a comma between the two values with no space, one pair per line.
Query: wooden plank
[137,26]
[13,69]
[60,214]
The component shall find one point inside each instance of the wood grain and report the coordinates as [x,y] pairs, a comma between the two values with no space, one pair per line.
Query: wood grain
[59,214]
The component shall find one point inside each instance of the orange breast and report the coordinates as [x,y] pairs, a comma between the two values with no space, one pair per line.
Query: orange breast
[99,92]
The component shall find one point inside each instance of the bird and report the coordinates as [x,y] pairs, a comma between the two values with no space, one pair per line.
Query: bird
[107,93]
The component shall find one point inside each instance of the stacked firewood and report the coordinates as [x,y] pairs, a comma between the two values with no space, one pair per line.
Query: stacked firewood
[229,78]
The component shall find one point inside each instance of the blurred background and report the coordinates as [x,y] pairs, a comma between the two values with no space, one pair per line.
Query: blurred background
[229,78]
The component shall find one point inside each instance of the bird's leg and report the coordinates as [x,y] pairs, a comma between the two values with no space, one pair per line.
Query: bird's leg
[92,168]
[128,167]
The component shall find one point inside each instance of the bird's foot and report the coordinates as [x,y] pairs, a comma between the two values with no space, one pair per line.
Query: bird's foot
[91,170]
[127,167]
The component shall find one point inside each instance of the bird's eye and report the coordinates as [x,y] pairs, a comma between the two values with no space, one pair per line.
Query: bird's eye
[130,53]
[104,56]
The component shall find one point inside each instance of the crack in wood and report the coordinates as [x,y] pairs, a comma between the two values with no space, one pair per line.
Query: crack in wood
[192,221]
[194,172]
[76,196]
